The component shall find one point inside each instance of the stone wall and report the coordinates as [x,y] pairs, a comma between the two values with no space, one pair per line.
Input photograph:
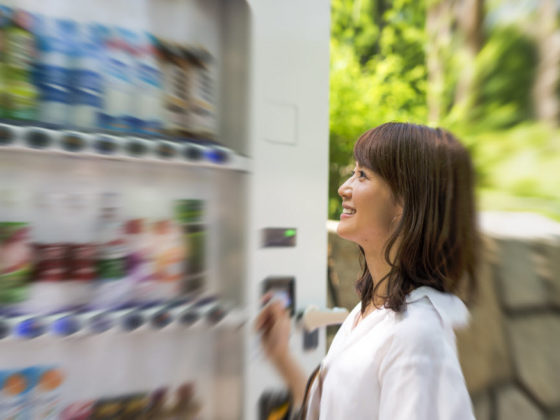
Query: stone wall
[510,353]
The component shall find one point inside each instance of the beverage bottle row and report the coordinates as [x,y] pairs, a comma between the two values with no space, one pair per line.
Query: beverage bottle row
[37,392]
[93,76]
[123,261]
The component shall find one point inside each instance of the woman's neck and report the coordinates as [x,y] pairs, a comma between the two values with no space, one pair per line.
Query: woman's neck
[378,268]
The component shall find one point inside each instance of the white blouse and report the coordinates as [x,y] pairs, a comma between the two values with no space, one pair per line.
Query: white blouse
[395,366]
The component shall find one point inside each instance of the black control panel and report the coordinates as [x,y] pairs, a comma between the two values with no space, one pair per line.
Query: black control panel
[279,237]
[282,288]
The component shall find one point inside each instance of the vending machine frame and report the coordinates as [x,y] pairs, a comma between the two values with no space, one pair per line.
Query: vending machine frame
[264,181]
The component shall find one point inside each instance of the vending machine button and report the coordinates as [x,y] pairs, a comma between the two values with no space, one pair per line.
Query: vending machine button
[133,320]
[216,314]
[189,316]
[166,150]
[100,323]
[162,318]
[30,328]
[193,152]
[217,155]
[4,329]
[7,135]
[136,148]
[73,142]
[38,138]
[65,326]
[106,145]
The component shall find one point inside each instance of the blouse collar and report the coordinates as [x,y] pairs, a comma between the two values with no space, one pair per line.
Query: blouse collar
[449,307]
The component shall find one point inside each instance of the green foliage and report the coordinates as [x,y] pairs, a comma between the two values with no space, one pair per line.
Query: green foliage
[379,74]
[505,72]
[523,160]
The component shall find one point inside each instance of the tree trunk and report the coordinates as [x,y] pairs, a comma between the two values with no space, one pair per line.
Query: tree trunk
[438,30]
[545,89]
[470,14]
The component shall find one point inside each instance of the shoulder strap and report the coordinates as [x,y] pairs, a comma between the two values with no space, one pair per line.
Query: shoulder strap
[302,413]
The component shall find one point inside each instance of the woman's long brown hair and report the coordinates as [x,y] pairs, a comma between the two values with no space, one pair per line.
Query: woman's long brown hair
[431,174]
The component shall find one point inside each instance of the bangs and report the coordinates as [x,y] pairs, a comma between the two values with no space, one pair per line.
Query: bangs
[370,151]
[384,149]
[364,151]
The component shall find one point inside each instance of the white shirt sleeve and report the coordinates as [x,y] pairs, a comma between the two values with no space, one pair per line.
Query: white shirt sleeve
[420,379]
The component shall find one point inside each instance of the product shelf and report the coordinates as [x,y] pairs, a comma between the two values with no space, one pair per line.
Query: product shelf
[124,147]
[184,314]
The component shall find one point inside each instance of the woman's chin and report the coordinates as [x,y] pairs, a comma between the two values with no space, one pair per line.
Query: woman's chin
[345,233]
[342,232]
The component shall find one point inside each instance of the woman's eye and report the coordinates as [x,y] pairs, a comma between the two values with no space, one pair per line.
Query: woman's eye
[361,174]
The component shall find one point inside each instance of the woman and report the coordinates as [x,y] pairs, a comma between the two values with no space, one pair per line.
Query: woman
[409,205]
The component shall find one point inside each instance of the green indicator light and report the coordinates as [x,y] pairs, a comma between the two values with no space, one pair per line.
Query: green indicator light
[289,233]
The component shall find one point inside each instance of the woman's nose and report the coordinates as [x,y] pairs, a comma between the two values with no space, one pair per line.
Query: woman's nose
[344,190]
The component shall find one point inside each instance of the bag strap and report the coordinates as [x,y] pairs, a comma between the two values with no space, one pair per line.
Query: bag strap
[303,410]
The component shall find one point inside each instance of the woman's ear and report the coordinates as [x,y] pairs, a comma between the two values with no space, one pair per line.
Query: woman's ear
[397,211]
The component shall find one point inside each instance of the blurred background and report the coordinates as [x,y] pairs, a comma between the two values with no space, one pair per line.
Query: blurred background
[488,70]
[163,163]
[485,69]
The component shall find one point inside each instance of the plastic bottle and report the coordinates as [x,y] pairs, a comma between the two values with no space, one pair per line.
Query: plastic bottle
[5,17]
[139,261]
[200,118]
[110,240]
[15,393]
[169,258]
[15,261]
[15,239]
[47,290]
[22,95]
[149,97]
[190,216]
[174,87]
[130,43]
[56,52]
[46,396]
[112,289]
[87,79]
[119,81]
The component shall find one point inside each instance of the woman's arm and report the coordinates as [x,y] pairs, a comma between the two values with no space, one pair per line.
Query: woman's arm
[293,376]
[273,323]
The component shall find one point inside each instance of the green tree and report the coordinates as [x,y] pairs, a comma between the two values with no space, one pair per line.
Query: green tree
[378,74]
[464,64]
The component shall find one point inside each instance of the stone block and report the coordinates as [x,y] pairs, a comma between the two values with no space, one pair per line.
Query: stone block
[344,257]
[512,404]
[535,340]
[482,408]
[482,346]
[520,286]
[547,262]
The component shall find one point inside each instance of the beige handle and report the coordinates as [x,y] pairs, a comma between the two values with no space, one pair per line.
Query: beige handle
[314,318]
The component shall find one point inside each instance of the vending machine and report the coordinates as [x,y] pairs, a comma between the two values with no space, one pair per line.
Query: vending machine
[163,164]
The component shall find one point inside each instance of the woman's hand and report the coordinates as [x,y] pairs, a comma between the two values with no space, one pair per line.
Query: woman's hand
[273,322]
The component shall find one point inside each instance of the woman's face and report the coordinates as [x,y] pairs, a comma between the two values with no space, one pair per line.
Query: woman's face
[369,210]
